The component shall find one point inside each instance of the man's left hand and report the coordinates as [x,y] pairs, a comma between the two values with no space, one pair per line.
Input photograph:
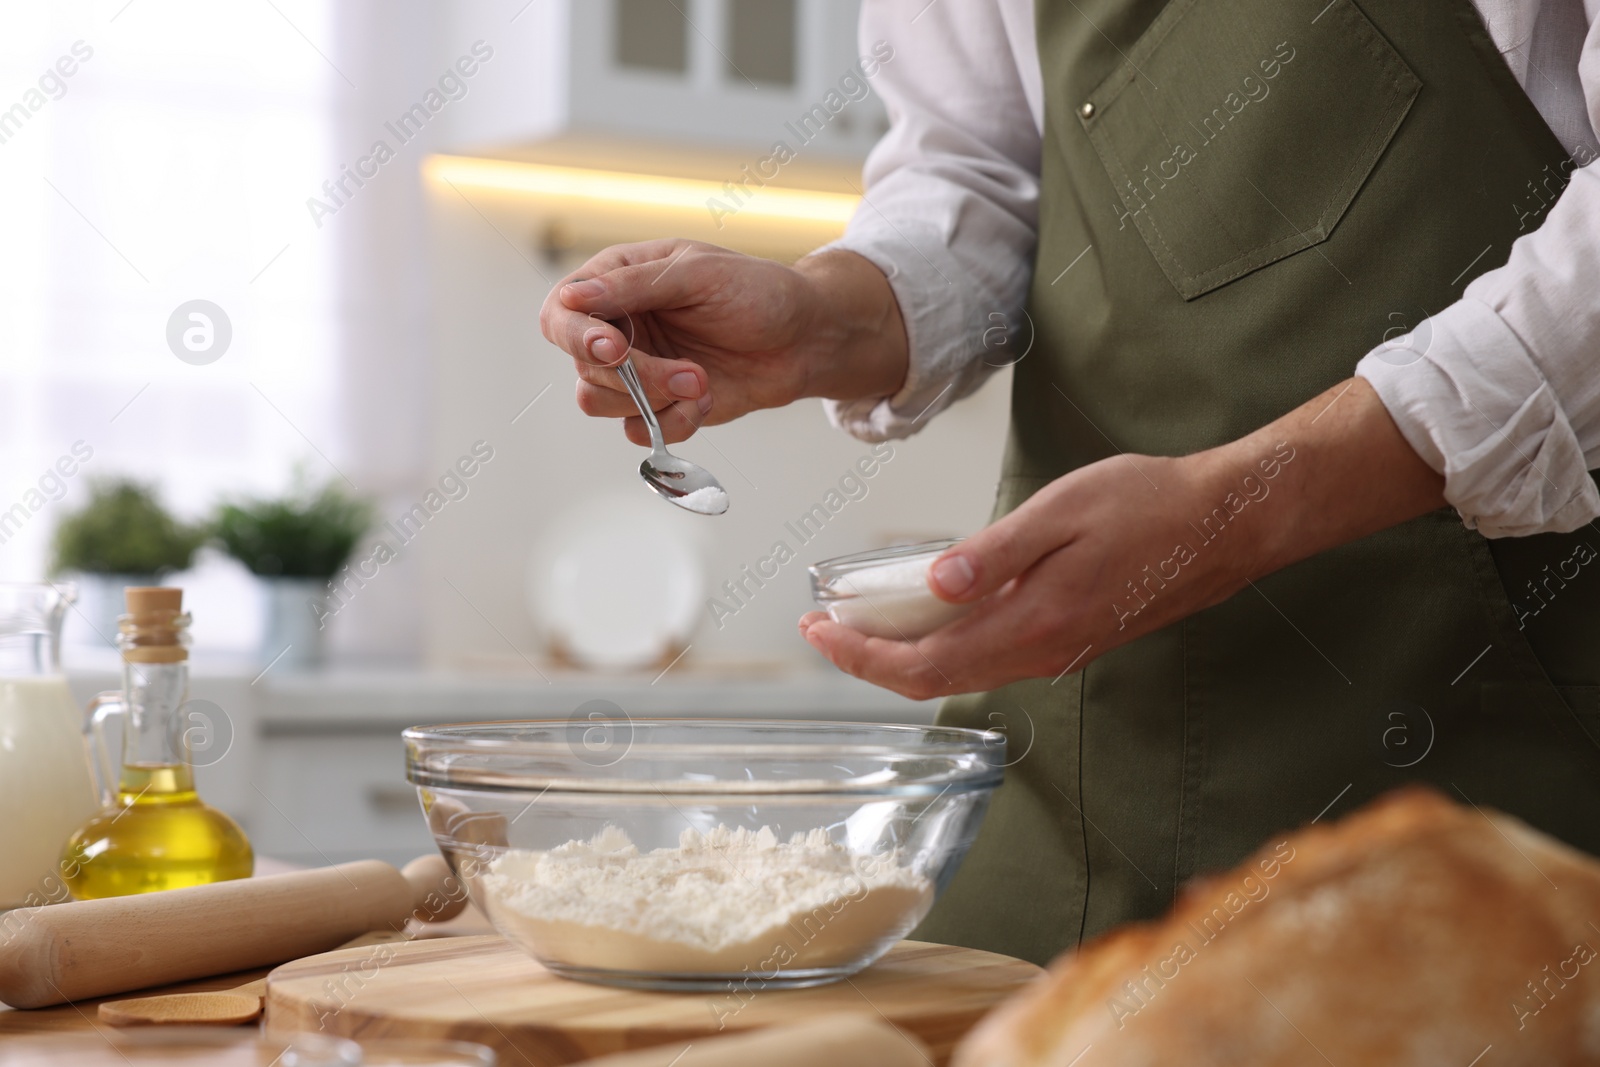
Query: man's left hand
[1129,544]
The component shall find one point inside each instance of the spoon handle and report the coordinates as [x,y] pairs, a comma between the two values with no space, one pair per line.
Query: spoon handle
[630,378]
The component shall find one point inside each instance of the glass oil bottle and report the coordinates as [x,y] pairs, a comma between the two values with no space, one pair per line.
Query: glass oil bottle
[153,832]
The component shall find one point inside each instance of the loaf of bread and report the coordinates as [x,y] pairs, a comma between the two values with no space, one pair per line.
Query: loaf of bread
[1416,931]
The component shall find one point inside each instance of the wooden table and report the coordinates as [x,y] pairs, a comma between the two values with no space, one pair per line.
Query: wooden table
[81,1017]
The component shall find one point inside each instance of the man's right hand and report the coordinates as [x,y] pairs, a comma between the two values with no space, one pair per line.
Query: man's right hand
[716,334]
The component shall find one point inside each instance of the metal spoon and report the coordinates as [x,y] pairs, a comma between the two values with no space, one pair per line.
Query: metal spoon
[686,484]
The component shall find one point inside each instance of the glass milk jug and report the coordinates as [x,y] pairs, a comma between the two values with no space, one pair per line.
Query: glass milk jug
[153,831]
[45,790]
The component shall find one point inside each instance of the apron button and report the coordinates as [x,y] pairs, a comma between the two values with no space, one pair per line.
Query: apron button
[1087,110]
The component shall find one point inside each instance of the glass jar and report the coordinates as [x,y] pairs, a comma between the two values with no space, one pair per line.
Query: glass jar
[153,831]
[45,790]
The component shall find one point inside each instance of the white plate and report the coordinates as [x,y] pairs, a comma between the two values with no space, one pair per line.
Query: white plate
[617,582]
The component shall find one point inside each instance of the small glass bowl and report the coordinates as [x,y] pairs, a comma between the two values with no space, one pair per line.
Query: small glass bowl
[884,592]
[526,811]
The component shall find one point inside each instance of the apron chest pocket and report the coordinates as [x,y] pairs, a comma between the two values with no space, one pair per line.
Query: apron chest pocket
[1237,132]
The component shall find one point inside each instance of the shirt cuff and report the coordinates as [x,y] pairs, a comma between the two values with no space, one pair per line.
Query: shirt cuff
[1469,398]
[943,331]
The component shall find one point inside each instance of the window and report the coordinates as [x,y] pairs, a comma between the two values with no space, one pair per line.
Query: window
[174,164]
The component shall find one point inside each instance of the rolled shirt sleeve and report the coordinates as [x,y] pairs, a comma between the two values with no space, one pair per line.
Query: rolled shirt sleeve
[1500,392]
[950,205]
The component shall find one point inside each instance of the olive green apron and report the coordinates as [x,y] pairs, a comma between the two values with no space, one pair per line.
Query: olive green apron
[1240,198]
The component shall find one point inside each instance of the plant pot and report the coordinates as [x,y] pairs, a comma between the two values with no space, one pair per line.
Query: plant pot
[293,637]
[93,619]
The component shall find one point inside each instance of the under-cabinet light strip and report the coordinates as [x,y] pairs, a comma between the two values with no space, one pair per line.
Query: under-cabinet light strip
[649,190]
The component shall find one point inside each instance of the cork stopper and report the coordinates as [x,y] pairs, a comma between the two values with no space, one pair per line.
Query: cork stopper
[142,599]
[154,630]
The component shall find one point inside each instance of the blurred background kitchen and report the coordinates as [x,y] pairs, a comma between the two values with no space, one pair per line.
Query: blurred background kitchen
[269,294]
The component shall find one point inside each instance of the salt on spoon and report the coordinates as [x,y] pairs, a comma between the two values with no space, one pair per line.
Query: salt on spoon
[707,500]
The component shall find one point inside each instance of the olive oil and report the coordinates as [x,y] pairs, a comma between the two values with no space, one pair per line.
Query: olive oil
[159,835]
[153,831]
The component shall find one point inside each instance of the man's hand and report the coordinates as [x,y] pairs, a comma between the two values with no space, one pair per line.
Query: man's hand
[1130,544]
[717,334]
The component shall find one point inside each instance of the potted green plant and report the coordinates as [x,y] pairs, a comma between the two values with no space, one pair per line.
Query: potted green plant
[122,536]
[294,544]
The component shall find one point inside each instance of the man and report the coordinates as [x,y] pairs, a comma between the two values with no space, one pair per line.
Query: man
[1224,586]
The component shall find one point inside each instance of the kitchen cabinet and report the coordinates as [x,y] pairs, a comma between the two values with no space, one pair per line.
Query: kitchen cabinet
[330,797]
[723,73]
[726,71]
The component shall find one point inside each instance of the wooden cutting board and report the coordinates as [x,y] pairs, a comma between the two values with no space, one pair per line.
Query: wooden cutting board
[486,990]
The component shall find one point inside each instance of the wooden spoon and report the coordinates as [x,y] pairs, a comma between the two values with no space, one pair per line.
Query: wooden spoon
[230,1007]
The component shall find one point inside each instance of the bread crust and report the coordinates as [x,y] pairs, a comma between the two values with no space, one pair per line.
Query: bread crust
[1415,931]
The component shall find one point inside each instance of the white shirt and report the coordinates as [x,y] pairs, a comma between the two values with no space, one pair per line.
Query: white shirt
[1499,392]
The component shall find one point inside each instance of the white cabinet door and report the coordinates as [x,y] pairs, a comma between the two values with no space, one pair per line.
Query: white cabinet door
[332,798]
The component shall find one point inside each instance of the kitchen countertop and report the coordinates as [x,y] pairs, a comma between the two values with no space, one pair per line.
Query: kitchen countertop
[326,771]
[395,696]
[311,763]
[383,697]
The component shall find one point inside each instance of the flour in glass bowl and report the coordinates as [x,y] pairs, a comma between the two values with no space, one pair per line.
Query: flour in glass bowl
[720,902]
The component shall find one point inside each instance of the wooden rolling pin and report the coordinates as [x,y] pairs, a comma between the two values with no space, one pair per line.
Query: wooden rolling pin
[93,948]
[831,1041]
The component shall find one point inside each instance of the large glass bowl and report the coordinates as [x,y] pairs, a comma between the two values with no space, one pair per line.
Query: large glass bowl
[689,853]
